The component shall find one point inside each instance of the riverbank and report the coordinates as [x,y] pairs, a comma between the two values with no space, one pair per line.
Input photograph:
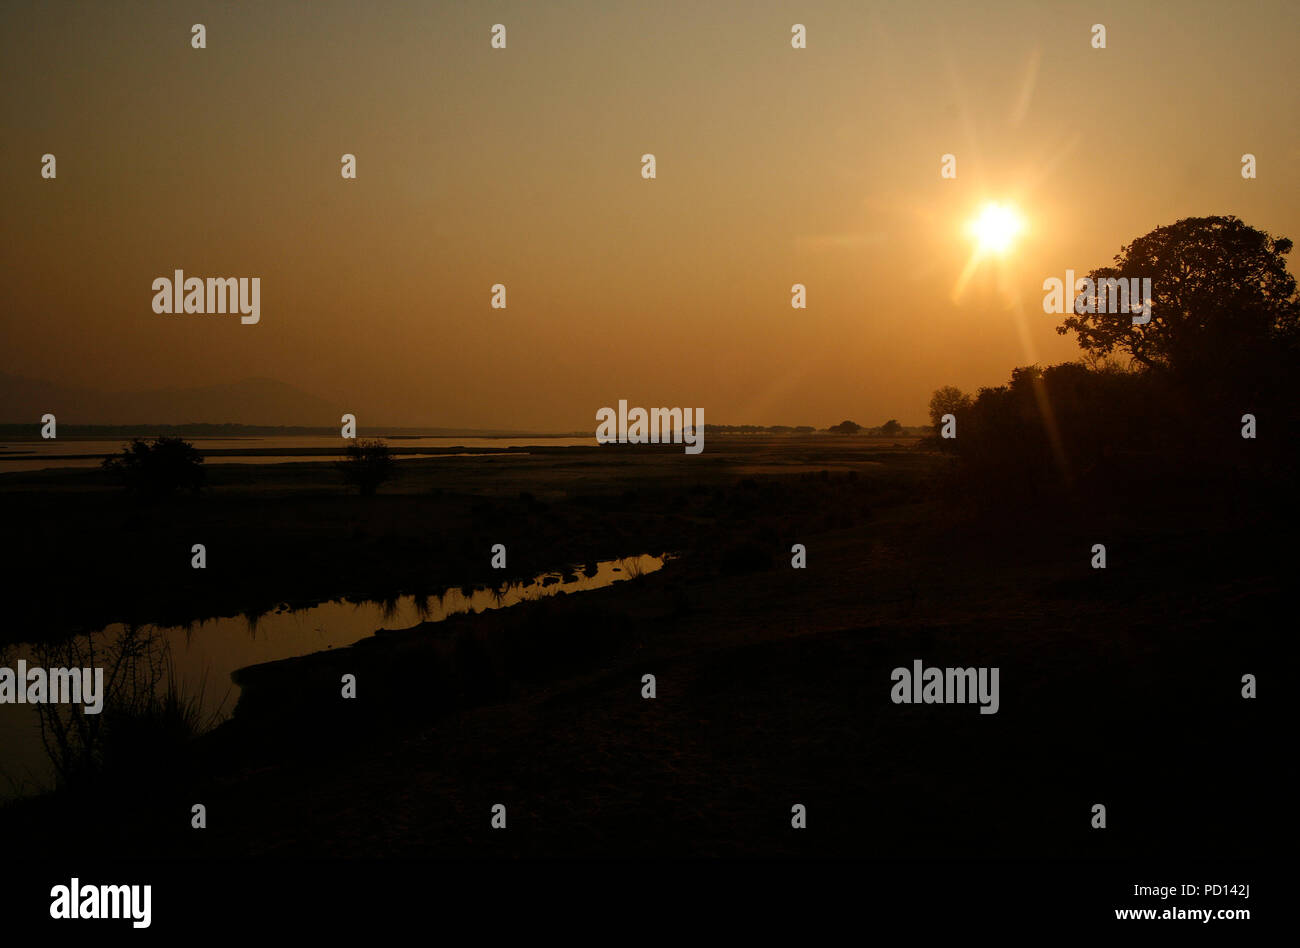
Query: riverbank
[772,685]
[293,534]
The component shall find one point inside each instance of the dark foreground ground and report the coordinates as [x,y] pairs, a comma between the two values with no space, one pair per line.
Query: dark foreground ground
[1119,686]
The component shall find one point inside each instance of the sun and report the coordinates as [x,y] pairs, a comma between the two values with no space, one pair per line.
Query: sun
[996,228]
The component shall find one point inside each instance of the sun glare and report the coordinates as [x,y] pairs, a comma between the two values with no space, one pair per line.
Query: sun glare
[996,228]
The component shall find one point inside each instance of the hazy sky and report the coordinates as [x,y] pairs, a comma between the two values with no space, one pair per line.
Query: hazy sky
[522,166]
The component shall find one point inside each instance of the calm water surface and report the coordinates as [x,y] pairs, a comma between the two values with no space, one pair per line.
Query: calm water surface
[205,654]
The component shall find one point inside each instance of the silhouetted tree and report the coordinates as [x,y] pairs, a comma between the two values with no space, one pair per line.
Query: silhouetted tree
[1222,299]
[158,469]
[949,400]
[366,465]
[845,428]
[891,428]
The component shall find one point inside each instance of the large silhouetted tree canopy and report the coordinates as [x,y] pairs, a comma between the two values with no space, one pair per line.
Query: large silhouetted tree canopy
[1222,298]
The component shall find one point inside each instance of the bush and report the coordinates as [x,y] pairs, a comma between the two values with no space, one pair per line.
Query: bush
[366,465]
[158,469]
[1072,425]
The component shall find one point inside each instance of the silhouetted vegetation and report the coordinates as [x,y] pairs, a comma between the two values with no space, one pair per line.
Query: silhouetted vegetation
[366,465]
[1223,302]
[159,469]
[947,401]
[1157,401]
[845,428]
[147,712]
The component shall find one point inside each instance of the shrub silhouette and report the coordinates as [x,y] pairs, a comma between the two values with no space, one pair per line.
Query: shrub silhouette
[366,465]
[158,469]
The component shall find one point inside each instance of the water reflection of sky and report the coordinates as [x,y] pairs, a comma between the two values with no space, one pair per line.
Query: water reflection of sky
[43,454]
[206,653]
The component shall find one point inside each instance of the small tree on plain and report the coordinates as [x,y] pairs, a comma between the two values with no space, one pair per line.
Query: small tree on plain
[366,465]
[159,469]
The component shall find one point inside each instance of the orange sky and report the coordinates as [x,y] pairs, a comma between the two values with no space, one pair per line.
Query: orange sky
[522,166]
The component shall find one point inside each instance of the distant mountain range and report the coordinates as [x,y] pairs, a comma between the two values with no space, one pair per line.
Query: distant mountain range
[257,401]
